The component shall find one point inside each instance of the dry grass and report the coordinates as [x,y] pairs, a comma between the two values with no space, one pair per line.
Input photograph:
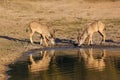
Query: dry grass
[100,0]
[67,17]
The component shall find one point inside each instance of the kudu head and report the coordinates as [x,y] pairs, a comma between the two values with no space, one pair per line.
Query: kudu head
[79,38]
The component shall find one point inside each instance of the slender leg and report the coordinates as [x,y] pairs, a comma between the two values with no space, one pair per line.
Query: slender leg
[41,40]
[45,40]
[102,33]
[91,42]
[90,39]
[31,34]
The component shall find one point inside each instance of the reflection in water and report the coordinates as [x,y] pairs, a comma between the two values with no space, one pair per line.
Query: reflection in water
[72,64]
[42,64]
[91,62]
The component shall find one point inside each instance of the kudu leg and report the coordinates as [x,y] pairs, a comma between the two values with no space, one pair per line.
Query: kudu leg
[102,33]
[90,40]
[41,40]
[31,34]
[45,40]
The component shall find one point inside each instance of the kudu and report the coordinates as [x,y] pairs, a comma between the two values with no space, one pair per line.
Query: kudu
[91,62]
[96,26]
[42,64]
[45,33]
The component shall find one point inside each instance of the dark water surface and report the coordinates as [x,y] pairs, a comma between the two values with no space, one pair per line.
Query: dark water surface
[70,64]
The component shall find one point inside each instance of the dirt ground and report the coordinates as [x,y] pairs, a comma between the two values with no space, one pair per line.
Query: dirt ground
[66,16]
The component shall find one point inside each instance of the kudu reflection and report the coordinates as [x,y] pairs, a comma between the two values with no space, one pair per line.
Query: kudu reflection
[91,62]
[42,64]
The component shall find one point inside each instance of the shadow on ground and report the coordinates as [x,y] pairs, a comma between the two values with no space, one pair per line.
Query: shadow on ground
[14,39]
[58,41]
[28,41]
[109,40]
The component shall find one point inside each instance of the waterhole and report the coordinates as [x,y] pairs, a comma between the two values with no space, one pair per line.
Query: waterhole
[68,64]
